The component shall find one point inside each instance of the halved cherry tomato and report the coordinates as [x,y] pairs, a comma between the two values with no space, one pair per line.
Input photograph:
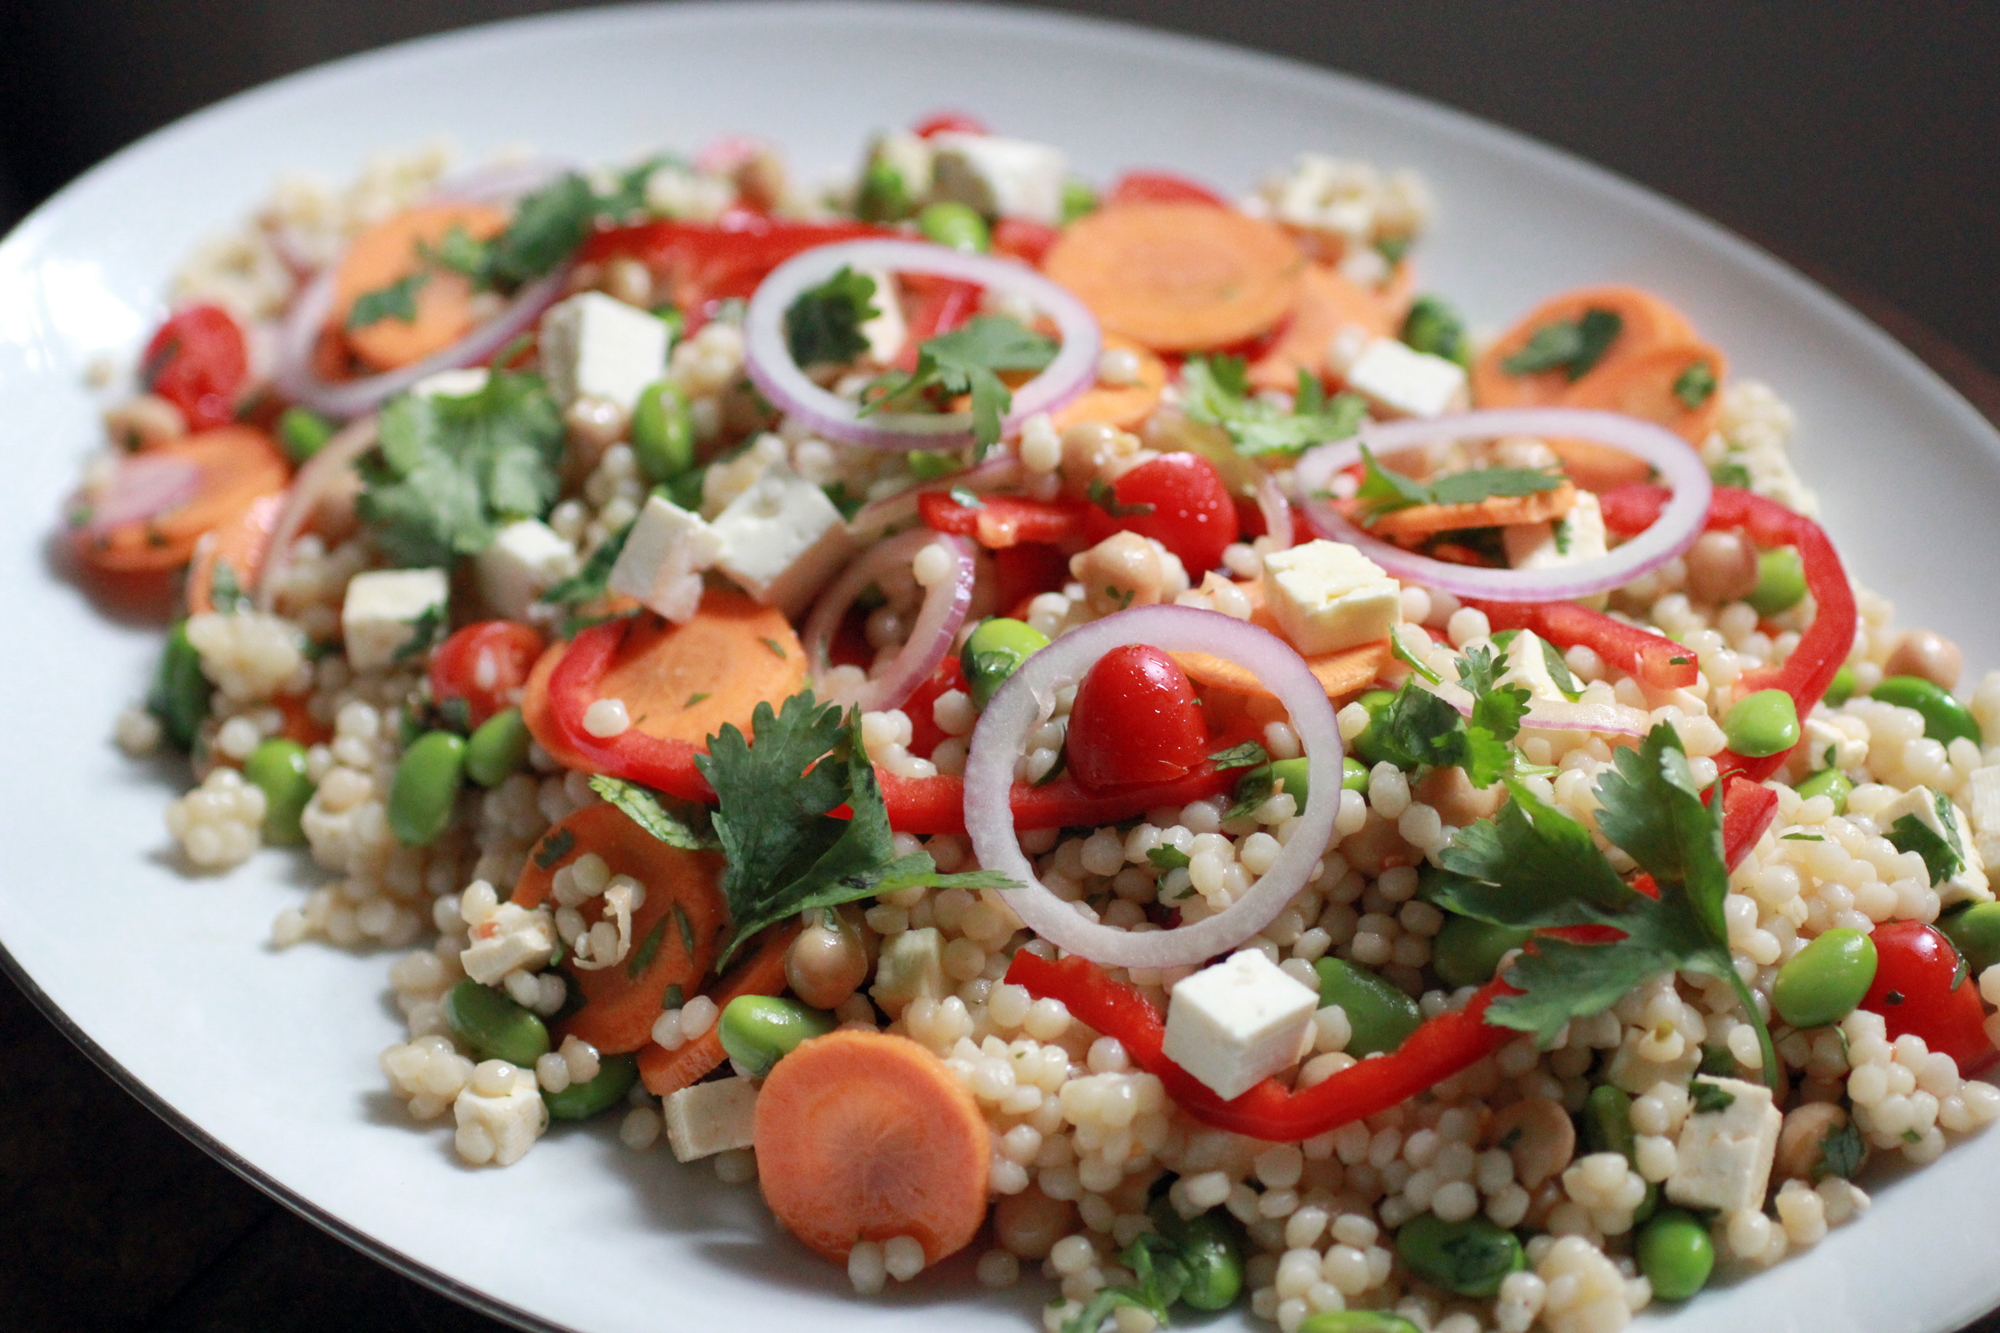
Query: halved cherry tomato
[1180,501]
[199,361]
[484,665]
[1159,187]
[1004,520]
[1135,719]
[1913,991]
[1023,238]
[948,122]
[1023,571]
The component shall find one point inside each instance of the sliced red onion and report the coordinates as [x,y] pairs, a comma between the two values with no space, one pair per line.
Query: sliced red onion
[316,481]
[769,360]
[1020,704]
[142,487]
[1678,525]
[871,521]
[944,608]
[1276,509]
[1604,719]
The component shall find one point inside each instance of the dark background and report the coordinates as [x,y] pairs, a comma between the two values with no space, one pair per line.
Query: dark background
[1859,142]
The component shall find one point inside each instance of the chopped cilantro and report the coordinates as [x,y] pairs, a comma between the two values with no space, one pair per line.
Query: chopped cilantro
[1385,492]
[642,957]
[1708,1098]
[966,498]
[1841,1153]
[774,646]
[1801,837]
[1169,858]
[1247,755]
[1252,790]
[425,632]
[1696,385]
[696,698]
[1216,390]
[823,325]
[1573,346]
[1728,473]
[1392,248]
[547,227]
[1161,1271]
[554,848]
[1560,532]
[685,826]
[1943,855]
[458,251]
[1559,672]
[396,301]
[674,998]
[930,464]
[225,590]
[589,584]
[1717,1062]
[1105,498]
[685,928]
[1433,326]
[967,360]
[1421,729]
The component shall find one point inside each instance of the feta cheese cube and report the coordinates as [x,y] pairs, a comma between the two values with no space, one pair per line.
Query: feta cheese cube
[999,177]
[1985,795]
[663,558]
[524,560]
[1575,537]
[704,1119]
[1233,1025]
[911,966]
[1327,596]
[1528,666]
[500,1129]
[512,939]
[905,156]
[1723,1158]
[781,539]
[887,331]
[1399,381]
[1965,879]
[596,346]
[461,383]
[392,613]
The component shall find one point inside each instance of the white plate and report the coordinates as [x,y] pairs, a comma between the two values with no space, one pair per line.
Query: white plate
[269,1059]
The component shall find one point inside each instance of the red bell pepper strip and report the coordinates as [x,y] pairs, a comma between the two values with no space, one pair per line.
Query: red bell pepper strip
[1159,187]
[1023,238]
[936,305]
[708,263]
[665,765]
[1004,520]
[1656,660]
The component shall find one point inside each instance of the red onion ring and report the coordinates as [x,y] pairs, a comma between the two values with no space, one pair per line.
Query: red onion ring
[1563,714]
[872,520]
[944,608]
[142,487]
[1020,703]
[779,379]
[1676,529]
[314,483]
[1275,508]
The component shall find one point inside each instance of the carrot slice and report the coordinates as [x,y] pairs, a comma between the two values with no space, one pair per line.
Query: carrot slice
[868,1136]
[237,466]
[675,933]
[240,545]
[1124,406]
[1650,384]
[762,972]
[1646,322]
[1328,303]
[389,253]
[1500,511]
[1179,277]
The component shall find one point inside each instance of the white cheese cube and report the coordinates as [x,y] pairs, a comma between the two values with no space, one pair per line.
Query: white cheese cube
[999,177]
[704,1119]
[911,967]
[512,939]
[887,330]
[385,610]
[663,558]
[781,539]
[1528,666]
[1575,537]
[1723,1158]
[908,156]
[1327,596]
[1985,796]
[500,1129]
[1233,1025]
[1967,881]
[1399,381]
[596,346]
[525,558]
[462,383]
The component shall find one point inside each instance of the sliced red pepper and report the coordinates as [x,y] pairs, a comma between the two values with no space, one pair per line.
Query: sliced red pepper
[1023,238]
[937,305]
[921,706]
[1656,660]
[665,765]
[708,263]
[1004,520]
[1159,187]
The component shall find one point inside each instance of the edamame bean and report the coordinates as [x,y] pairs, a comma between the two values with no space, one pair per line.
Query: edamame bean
[1078,199]
[1781,581]
[1292,772]
[497,749]
[1379,1015]
[1367,746]
[1829,782]
[1976,932]
[1762,723]
[1676,1255]
[994,652]
[1213,1256]
[759,1030]
[579,1101]
[180,694]
[1821,983]
[303,433]
[1841,688]
[1945,718]
[278,768]
[1607,1121]
[662,432]
[494,1026]
[1470,1258]
[1357,1321]
[1353,774]
[1467,952]
[883,197]
[955,225]
[426,787]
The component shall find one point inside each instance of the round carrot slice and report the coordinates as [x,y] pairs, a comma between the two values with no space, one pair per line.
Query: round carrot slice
[1124,406]
[1179,277]
[1645,322]
[225,470]
[1678,385]
[1327,303]
[868,1136]
[389,253]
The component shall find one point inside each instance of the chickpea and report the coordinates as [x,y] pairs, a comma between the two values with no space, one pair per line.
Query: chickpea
[1085,447]
[1458,803]
[1029,1224]
[1803,1139]
[1377,846]
[760,179]
[1523,451]
[630,281]
[827,962]
[146,420]
[1721,567]
[1932,656]
[595,424]
[1122,570]
[1543,1140]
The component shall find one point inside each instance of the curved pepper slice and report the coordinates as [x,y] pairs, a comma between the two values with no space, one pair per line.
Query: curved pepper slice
[1656,660]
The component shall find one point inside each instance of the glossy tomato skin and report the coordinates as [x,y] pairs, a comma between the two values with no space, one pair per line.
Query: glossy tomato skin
[483,667]
[1913,991]
[199,361]
[1159,187]
[948,122]
[1023,238]
[1191,511]
[1135,719]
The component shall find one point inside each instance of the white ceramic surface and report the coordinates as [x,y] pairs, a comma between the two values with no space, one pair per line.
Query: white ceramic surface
[271,1057]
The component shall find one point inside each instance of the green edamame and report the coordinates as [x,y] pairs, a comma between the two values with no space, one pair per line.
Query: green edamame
[494,1026]
[662,432]
[1762,723]
[1781,581]
[180,693]
[1470,1258]
[1467,952]
[497,748]
[1976,932]
[1367,746]
[1078,199]
[994,652]
[760,1030]
[1821,983]
[1357,1321]
[426,787]
[1945,718]
[1353,774]
[1829,782]
[1292,772]
[1211,1255]
[883,197]
[1841,688]
[1676,1255]
[1607,1121]
[278,769]
[956,226]
[579,1101]
[1380,1016]
[303,433]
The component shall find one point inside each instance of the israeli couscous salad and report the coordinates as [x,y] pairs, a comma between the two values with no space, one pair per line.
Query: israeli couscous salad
[1098,727]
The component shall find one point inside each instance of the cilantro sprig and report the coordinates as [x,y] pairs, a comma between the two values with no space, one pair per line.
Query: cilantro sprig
[967,360]
[396,301]
[823,324]
[1216,390]
[1420,729]
[1384,491]
[1573,346]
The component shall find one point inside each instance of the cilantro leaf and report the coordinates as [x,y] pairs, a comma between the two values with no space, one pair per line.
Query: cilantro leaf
[1385,492]
[589,584]
[396,301]
[685,827]
[967,361]
[1160,1270]
[1943,857]
[1727,473]
[1709,1098]
[1559,672]
[1573,346]
[1696,385]
[1216,390]
[1104,497]
[225,590]
[824,323]
[1841,1153]
[1168,857]
[1433,326]
[1247,755]
[548,225]
[458,251]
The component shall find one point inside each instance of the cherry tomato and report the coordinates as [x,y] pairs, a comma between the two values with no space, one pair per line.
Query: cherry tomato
[1159,187]
[1190,513]
[1135,719]
[1025,570]
[198,361]
[1023,238]
[948,122]
[1913,991]
[484,666]
[921,706]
